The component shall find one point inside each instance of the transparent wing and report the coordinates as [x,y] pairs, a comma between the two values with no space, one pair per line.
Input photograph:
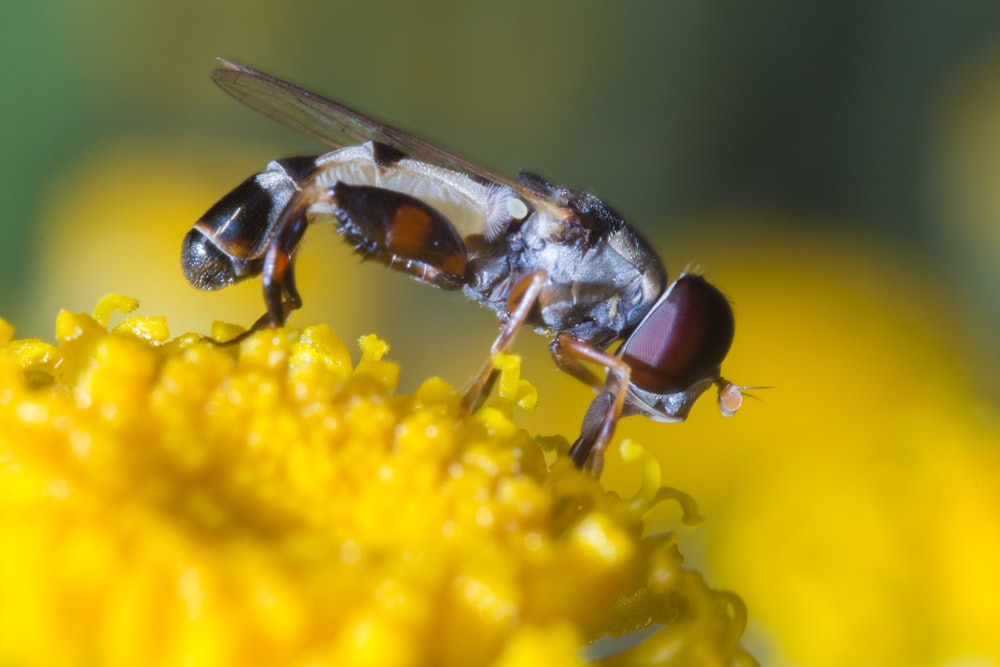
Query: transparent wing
[338,126]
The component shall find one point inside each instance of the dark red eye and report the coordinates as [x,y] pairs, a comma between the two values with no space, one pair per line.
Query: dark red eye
[683,340]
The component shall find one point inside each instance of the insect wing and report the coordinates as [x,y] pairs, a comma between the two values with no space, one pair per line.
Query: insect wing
[338,126]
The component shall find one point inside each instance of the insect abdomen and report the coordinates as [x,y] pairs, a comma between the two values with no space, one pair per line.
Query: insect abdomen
[402,232]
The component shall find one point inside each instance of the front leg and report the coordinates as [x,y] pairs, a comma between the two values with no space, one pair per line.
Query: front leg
[605,410]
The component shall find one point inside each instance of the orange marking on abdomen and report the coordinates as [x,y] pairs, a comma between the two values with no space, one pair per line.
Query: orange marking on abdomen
[409,231]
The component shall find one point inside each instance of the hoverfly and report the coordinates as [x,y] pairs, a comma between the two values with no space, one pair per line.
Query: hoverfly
[534,252]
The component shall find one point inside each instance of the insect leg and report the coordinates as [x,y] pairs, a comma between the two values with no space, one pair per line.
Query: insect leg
[519,304]
[606,408]
[278,276]
[571,365]
[278,271]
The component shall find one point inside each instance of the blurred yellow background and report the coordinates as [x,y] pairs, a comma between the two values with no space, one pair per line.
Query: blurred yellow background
[833,166]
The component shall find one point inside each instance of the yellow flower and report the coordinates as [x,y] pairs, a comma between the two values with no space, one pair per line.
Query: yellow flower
[172,501]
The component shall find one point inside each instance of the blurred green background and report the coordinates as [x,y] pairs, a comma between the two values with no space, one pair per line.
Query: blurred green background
[833,165]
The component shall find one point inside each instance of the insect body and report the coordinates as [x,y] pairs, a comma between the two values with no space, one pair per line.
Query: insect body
[557,259]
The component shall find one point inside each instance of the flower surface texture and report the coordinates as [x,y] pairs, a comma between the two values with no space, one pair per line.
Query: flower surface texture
[172,501]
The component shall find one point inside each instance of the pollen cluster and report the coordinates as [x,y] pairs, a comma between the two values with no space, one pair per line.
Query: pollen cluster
[173,501]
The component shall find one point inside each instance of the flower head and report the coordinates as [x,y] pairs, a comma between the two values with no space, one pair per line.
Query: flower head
[174,501]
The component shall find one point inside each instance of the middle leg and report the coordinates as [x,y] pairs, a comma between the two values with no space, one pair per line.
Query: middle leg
[519,304]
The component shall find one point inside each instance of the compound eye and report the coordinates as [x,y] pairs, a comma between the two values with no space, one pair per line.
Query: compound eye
[205,266]
[683,340]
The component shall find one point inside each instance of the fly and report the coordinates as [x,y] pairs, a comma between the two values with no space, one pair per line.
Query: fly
[536,253]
